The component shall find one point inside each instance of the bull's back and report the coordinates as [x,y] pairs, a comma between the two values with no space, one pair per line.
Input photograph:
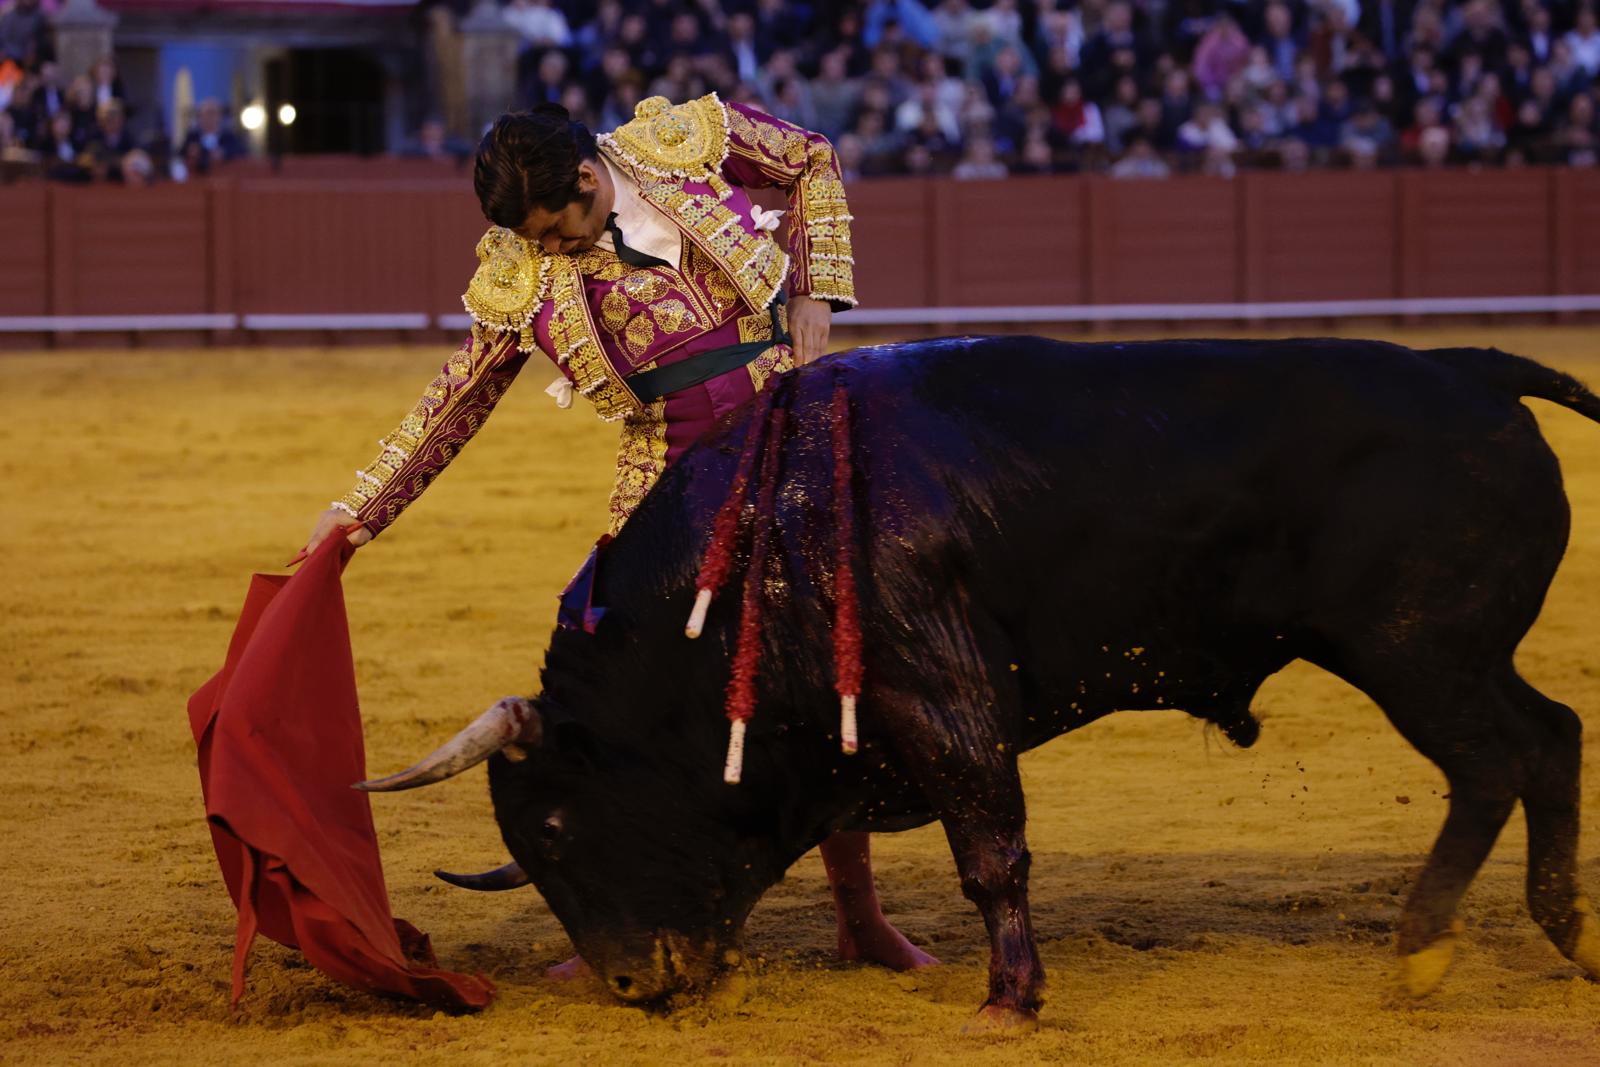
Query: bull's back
[1199,495]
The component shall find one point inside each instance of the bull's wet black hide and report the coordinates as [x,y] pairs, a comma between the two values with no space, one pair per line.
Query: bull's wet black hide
[1049,532]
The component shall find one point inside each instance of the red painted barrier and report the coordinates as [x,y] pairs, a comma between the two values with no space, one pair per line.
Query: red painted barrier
[400,241]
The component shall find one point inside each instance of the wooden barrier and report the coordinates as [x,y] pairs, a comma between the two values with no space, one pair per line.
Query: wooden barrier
[394,248]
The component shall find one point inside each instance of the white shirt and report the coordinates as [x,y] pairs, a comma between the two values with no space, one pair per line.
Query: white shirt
[643,227]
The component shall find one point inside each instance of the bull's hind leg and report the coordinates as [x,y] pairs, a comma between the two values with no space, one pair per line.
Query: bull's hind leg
[1455,719]
[1554,740]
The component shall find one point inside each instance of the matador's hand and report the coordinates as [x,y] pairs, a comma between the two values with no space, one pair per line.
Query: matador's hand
[809,321]
[329,521]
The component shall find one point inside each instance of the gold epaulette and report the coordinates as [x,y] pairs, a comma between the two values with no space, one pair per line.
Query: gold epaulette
[509,285]
[687,141]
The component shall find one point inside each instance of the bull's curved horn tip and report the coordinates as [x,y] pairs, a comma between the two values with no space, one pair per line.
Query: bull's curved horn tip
[510,876]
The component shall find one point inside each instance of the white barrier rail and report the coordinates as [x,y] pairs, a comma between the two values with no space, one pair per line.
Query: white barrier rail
[930,316]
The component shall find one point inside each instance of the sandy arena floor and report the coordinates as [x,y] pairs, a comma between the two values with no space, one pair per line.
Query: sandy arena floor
[1194,903]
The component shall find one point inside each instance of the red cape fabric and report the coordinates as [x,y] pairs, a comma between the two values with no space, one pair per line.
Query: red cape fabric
[279,736]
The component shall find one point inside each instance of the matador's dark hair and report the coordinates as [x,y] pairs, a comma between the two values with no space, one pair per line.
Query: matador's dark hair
[530,159]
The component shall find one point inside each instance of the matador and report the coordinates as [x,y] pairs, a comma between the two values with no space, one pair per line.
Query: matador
[638,264]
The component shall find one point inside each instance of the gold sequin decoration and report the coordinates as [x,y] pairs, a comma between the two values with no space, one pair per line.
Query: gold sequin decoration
[509,282]
[673,315]
[639,335]
[641,457]
[774,360]
[645,286]
[688,140]
[614,309]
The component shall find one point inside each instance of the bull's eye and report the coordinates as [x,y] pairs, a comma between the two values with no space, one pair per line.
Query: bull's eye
[551,830]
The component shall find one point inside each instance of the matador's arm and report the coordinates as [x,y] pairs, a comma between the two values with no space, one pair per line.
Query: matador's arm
[450,412]
[763,152]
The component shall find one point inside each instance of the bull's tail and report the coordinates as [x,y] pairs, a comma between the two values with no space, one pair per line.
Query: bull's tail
[1520,376]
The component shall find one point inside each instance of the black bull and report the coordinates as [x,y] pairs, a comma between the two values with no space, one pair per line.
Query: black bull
[1048,533]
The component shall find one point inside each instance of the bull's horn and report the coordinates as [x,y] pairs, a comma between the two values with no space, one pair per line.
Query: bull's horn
[510,720]
[511,876]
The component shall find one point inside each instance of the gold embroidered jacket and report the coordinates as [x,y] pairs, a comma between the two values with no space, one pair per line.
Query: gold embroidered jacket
[600,320]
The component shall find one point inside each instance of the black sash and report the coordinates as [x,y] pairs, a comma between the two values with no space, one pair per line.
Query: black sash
[651,385]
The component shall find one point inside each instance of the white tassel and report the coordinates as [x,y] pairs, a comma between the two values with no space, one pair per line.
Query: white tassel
[697,617]
[848,739]
[765,220]
[734,767]
[561,391]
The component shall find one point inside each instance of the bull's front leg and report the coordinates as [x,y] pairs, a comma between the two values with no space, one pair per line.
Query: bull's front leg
[970,779]
[991,853]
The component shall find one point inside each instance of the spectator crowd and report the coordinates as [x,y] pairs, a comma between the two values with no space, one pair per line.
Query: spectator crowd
[1139,88]
[980,88]
[78,130]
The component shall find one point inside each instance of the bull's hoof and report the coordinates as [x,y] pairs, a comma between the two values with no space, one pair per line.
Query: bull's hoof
[1421,972]
[995,1020]
[1586,946]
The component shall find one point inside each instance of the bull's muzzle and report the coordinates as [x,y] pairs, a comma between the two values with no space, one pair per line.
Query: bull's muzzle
[674,963]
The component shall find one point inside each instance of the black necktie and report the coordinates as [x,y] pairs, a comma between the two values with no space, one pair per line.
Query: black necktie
[631,256]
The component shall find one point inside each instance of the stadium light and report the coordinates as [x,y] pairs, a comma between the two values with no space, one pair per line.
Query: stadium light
[253,117]
[286,114]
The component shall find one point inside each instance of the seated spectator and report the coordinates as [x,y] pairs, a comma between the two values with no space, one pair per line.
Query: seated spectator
[1036,157]
[1584,42]
[433,141]
[954,21]
[539,23]
[1258,71]
[106,84]
[1529,135]
[1141,161]
[926,103]
[791,102]
[1222,54]
[51,95]
[548,78]
[61,151]
[834,94]
[677,83]
[111,141]
[25,36]
[1476,135]
[1121,115]
[1313,125]
[849,151]
[1433,147]
[23,110]
[1428,114]
[979,162]
[1207,130]
[1579,136]
[81,105]
[213,142]
[1280,40]
[1367,131]
[138,169]
[914,20]
[1076,119]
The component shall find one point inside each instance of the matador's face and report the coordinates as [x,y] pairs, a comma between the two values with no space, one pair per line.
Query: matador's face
[576,227]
